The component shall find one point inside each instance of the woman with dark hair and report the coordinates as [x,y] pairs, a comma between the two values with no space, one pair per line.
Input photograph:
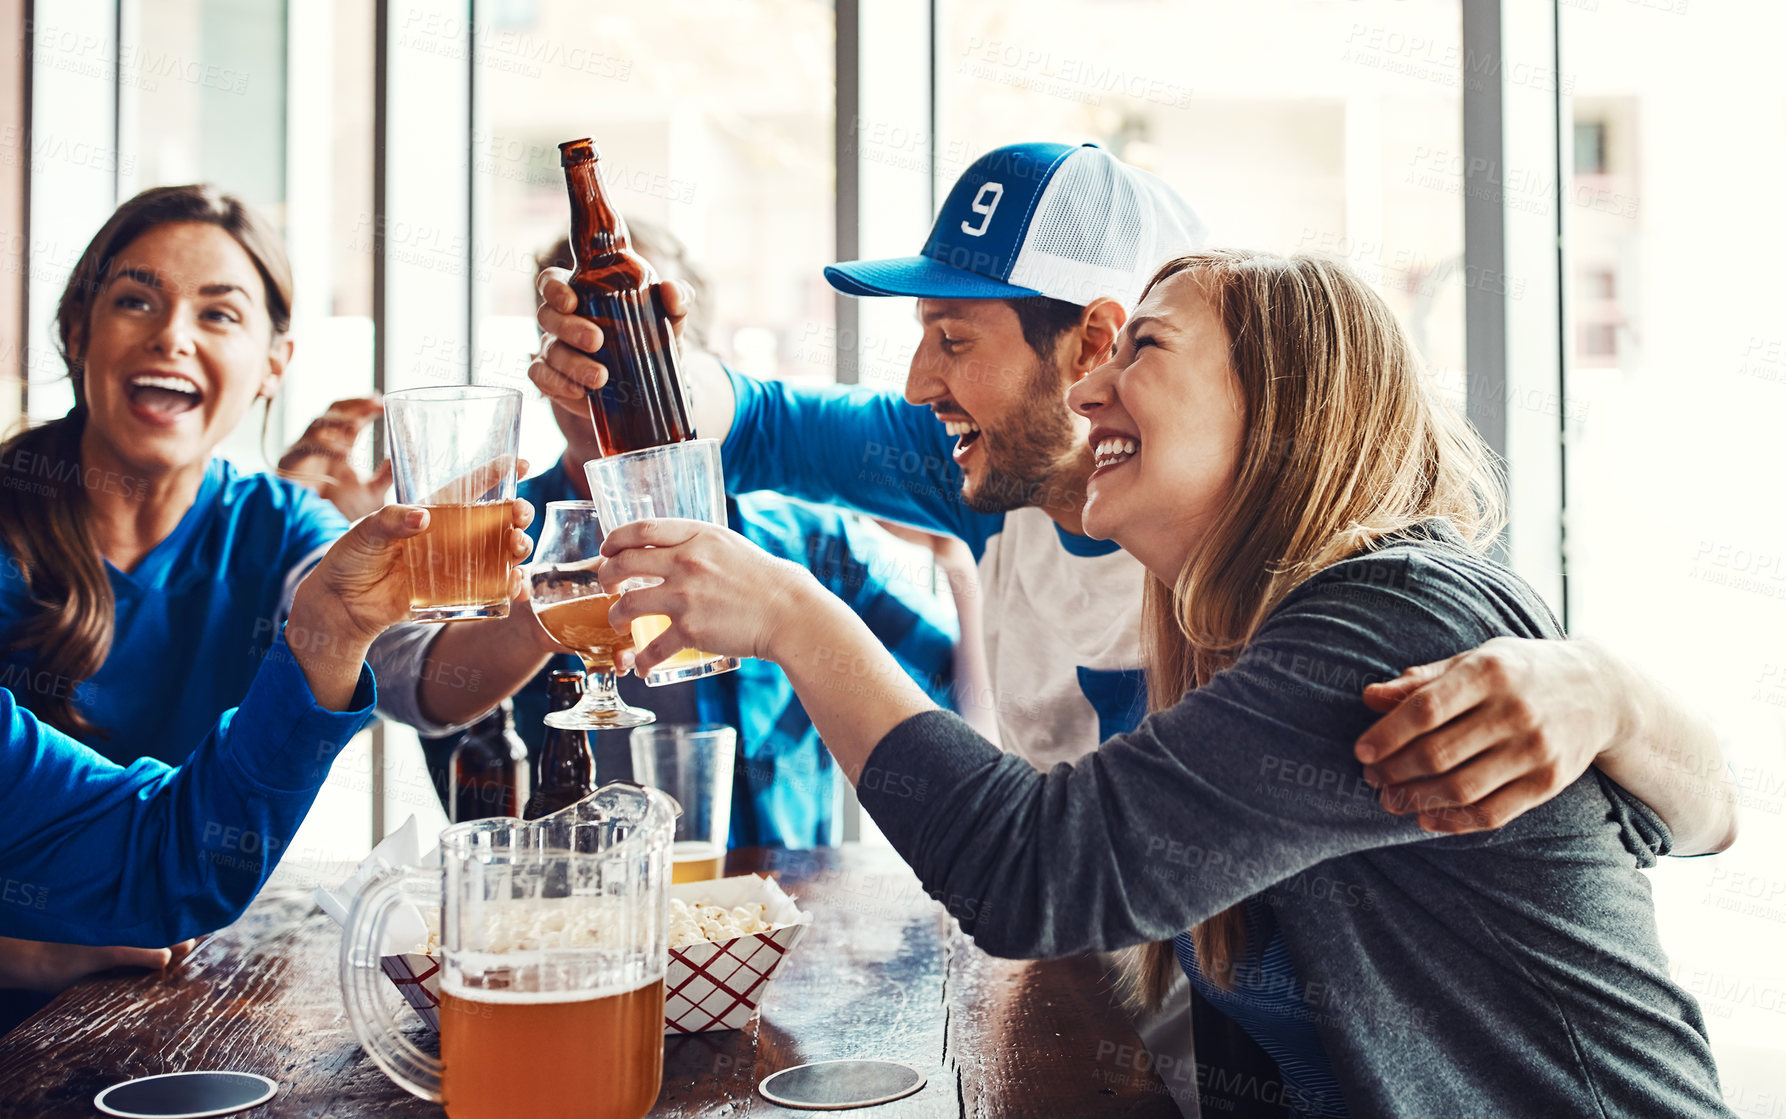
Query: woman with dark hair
[145,578]
[1312,520]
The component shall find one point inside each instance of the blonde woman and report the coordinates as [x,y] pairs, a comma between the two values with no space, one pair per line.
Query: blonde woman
[1311,521]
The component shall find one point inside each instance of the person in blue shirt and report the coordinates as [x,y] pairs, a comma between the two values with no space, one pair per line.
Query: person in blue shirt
[142,579]
[785,792]
[97,853]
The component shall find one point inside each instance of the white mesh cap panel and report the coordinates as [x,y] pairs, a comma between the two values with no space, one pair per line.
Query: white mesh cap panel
[1101,229]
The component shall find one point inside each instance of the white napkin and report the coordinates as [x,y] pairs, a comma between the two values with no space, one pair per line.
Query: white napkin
[407,929]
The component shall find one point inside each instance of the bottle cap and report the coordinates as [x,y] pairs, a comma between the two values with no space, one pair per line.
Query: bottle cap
[577,151]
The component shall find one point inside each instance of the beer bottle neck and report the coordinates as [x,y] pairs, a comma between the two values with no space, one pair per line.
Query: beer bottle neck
[597,229]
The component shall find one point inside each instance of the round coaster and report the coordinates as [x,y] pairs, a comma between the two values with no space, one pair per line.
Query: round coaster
[186,1095]
[836,1085]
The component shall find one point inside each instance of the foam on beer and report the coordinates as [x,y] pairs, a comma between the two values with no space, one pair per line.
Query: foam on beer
[510,997]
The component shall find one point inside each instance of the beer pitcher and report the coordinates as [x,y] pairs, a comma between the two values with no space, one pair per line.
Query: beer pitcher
[553,944]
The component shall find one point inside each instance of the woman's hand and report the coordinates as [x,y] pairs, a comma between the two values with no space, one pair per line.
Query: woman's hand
[35,965]
[565,371]
[361,588]
[723,594]
[319,460]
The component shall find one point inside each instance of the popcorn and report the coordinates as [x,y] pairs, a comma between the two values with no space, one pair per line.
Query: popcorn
[692,924]
[728,938]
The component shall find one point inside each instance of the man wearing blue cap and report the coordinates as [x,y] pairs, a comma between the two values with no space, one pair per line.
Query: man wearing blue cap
[1021,290]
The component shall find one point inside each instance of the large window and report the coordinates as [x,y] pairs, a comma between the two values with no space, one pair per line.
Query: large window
[1291,125]
[745,130]
[714,124]
[1677,395]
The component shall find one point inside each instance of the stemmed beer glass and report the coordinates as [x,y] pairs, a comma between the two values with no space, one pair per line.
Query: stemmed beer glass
[569,602]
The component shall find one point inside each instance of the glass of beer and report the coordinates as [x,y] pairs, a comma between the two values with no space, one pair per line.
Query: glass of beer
[677,480]
[553,946]
[692,762]
[453,449]
[569,602]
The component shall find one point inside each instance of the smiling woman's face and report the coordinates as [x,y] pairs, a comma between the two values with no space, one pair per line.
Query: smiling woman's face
[178,345]
[1167,422]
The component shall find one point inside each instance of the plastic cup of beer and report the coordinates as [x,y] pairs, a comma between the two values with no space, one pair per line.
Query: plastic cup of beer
[676,480]
[693,763]
[553,950]
[453,449]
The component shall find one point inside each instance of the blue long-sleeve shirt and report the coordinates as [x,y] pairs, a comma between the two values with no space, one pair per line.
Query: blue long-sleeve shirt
[92,852]
[192,619]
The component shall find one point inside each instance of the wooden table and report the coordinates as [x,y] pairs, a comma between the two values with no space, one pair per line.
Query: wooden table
[883,973]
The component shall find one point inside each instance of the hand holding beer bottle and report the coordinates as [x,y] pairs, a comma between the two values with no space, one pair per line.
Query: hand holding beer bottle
[566,370]
[642,402]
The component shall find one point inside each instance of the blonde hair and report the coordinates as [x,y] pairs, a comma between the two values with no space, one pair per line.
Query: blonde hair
[1345,444]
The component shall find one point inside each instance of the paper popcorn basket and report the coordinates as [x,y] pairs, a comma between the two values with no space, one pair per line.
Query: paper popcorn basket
[718,985]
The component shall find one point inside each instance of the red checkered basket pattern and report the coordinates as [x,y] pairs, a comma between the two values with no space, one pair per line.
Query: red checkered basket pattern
[418,977]
[718,985]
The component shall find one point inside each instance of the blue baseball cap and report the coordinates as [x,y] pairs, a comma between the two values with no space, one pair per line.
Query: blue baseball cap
[1072,223]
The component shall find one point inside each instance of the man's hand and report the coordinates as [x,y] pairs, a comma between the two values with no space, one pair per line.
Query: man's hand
[35,965]
[1474,741]
[319,459]
[564,370]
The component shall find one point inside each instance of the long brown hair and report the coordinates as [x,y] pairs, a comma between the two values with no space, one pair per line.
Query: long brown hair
[1345,444]
[44,511]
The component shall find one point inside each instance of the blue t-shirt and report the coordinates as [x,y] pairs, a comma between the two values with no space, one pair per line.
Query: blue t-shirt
[1062,613]
[194,618]
[785,789]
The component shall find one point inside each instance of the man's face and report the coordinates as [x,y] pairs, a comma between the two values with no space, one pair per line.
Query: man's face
[1005,404]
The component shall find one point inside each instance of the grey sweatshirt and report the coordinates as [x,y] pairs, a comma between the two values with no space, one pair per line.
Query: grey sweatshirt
[1512,973]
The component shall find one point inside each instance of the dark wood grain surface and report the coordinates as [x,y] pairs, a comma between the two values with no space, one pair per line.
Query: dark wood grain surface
[883,973]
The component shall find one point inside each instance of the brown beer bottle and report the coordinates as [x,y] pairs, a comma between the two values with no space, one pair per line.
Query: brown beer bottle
[567,764]
[488,770]
[643,404]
